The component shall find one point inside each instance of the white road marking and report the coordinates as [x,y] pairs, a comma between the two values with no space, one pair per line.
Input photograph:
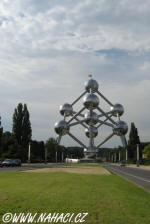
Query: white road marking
[140,178]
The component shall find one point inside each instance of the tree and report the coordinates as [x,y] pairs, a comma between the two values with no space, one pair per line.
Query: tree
[133,141]
[1,133]
[133,136]
[52,147]
[21,125]
[26,127]
[146,151]
[37,151]
[75,152]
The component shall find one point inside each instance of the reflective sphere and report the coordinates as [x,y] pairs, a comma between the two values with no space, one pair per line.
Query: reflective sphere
[91,101]
[91,120]
[117,109]
[93,130]
[121,128]
[61,127]
[66,109]
[91,84]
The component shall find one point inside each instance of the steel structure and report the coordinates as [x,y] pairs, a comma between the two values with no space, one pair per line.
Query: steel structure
[91,120]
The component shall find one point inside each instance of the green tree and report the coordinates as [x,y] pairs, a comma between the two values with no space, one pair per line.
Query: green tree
[146,151]
[26,127]
[21,125]
[1,133]
[52,146]
[133,141]
[37,151]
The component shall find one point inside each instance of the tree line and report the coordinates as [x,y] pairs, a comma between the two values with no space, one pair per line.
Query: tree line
[119,153]
[15,144]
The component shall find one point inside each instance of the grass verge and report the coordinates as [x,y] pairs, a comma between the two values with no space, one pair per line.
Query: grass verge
[107,198]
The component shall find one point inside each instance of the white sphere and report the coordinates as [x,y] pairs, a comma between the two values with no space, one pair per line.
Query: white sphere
[121,128]
[91,84]
[66,109]
[91,101]
[117,109]
[93,130]
[91,120]
[61,127]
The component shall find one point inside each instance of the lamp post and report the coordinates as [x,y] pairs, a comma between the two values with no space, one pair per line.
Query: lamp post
[29,153]
[62,156]
[56,154]
[45,155]
[119,155]
[126,155]
[138,156]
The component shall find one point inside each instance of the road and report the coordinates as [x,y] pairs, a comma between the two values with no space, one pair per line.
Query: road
[29,167]
[137,176]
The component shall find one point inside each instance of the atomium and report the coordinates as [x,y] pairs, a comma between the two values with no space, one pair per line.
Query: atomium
[121,128]
[61,127]
[117,109]
[91,101]
[91,86]
[66,109]
[93,130]
[92,119]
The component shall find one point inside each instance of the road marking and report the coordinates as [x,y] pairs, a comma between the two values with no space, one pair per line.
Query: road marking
[140,178]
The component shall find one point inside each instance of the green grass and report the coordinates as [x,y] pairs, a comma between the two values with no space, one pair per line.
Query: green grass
[108,198]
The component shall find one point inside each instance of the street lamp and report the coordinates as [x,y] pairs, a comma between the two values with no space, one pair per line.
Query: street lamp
[138,156]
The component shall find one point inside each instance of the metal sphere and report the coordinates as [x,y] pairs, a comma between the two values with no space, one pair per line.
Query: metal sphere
[91,84]
[66,109]
[117,109]
[61,127]
[121,128]
[93,130]
[91,101]
[91,120]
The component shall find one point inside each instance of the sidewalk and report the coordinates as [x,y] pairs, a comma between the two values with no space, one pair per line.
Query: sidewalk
[141,166]
[134,166]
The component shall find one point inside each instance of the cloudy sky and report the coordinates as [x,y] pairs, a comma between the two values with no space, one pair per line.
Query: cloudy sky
[48,48]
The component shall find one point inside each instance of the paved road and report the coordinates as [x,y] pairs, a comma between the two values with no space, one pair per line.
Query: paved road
[29,167]
[137,176]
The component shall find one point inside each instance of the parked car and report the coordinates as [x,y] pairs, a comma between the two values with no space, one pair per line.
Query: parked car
[7,162]
[16,162]
[1,164]
[11,162]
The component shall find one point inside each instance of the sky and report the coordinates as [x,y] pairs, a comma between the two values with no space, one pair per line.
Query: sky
[48,48]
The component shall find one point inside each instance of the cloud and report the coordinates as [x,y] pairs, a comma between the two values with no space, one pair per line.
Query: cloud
[49,47]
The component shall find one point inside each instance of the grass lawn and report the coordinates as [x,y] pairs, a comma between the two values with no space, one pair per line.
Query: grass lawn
[108,199]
